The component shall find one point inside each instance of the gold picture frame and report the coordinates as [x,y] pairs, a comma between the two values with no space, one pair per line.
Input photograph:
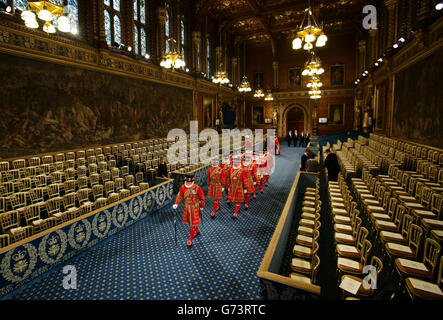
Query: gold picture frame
[294,77]
[336,114]
[337,75]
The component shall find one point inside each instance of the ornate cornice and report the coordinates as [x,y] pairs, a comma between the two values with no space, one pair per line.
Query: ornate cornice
[304,93]
[18,40]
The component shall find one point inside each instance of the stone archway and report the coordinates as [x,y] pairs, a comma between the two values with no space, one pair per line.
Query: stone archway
[289,111]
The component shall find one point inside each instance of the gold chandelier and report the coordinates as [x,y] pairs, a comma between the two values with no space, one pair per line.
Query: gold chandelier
[172,58]
[306,35]
[244,85]
[259,93]
[269,96]
[315,84]
[47,12]
[313,66]
[220,77]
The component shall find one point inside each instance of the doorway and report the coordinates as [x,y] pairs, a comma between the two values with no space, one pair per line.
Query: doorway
[295,120]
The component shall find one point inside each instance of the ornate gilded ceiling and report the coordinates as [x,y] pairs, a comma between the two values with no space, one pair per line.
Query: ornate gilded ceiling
[259,20]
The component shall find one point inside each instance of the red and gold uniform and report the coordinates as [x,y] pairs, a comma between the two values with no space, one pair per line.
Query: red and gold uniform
[216,184]
[251,176]
[238,186]
[226,166]
[261,168]
[194,201]
[277,146]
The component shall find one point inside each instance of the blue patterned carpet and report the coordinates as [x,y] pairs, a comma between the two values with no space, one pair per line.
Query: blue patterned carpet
[143,261]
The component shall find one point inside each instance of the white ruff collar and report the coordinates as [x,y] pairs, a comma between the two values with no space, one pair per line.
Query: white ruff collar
[190,185]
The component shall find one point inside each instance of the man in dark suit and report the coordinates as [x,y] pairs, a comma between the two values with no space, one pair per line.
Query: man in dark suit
[307,138]
[289,138]
[331,163]
[304,158]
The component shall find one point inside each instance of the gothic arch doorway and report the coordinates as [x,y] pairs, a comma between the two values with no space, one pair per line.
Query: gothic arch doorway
[295,119]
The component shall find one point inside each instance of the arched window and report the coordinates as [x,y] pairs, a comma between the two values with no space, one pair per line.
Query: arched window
[20,4]
[140,13]
[167,26]
[113,27]
[182,37]
[209,56]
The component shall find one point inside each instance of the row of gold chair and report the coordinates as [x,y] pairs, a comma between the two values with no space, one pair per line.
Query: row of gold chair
[396,232]
[351,237]
[305,263]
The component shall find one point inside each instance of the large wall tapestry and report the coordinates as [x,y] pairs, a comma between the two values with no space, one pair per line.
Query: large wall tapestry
[47,107]
[418,98]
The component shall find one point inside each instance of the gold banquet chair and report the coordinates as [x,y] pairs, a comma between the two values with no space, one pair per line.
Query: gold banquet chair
[313,271]
[346,265]
[365,292]
[351,251]
[408,251]
[305,252]
[423,270]
[69,205]
[421,289]
[397,237]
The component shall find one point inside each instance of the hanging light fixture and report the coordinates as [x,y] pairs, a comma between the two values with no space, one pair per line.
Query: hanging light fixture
[315,84]
[269,96]
[259,93]
[244,85]
[313,66]
[172,58]
[48,12]
[310,32]
[220,77]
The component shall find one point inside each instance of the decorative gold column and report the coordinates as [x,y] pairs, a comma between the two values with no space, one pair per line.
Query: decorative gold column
[274,74]
[361,56]
[196,38]
[99,29]
[373,43]
[161,47]
[218,58]
[234,71]
[358,109]
[392,21]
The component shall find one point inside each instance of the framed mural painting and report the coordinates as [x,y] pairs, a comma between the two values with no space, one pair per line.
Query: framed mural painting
[207,112]
[257,115]
[337,75]
[336,113]
[294,77]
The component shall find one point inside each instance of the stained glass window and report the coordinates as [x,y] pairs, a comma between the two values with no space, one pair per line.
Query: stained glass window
[136,40]
[21,4]
[116,5]
[108,27]
[113,27]
[73,15]
[140,13]
[182,37]
[143,41]
[167,35]
[208,52]
[117,29]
